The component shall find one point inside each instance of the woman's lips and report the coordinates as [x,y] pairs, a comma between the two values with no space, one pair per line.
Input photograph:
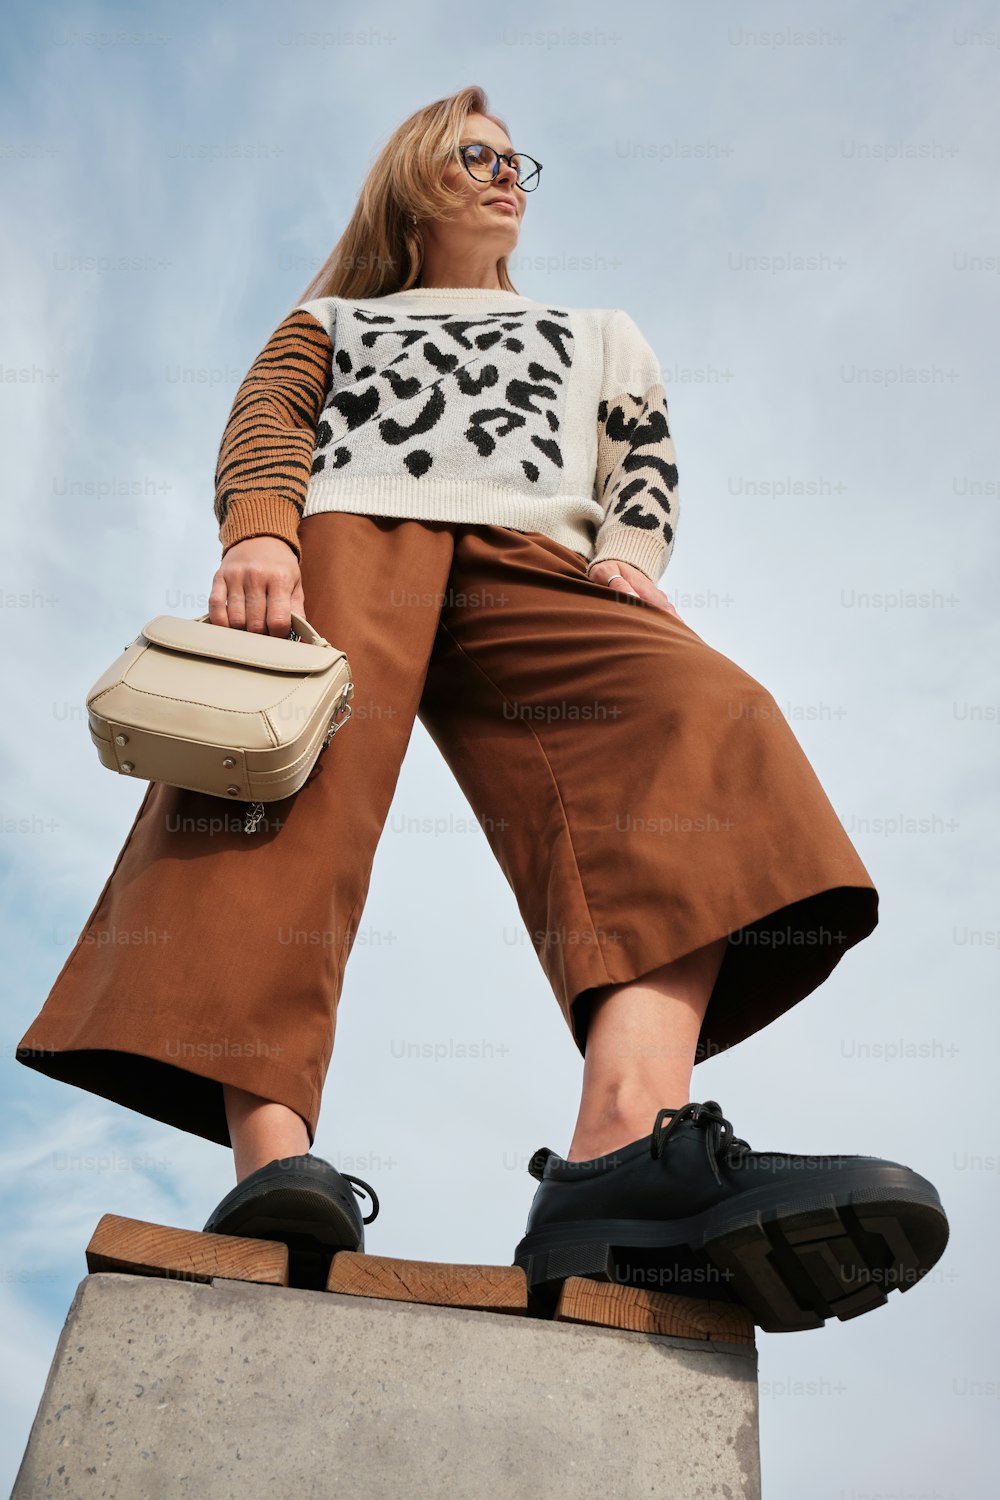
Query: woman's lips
[502,203]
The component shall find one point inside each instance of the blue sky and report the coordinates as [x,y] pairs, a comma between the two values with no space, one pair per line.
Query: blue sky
[797,204]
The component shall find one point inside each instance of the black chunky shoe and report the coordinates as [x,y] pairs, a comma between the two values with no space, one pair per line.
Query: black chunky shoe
[692,1210]
[305,1203]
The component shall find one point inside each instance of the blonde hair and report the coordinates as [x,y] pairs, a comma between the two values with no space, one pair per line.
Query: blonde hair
[381,251]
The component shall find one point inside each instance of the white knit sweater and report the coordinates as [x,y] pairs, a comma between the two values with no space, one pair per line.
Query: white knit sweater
[457,404]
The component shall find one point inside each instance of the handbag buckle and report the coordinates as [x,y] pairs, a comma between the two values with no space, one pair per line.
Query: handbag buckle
[342,707]
[341,713]
[254,814]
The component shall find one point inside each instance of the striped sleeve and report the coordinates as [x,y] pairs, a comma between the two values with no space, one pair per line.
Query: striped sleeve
[636,477]
[266,451]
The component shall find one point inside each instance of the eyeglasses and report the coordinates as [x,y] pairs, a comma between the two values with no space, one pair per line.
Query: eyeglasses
[483,163]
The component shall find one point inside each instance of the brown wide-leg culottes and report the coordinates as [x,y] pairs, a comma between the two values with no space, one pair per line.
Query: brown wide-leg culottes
[643,795]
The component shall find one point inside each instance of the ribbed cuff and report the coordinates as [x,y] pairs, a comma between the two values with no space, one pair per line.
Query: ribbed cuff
[645,550]
[261,515]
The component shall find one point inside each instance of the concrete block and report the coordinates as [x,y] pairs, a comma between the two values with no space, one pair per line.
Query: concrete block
[164,1389]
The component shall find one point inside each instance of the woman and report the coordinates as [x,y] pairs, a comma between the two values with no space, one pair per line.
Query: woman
[474,493]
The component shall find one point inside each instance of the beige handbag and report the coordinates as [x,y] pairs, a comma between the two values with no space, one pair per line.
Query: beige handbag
[213,709]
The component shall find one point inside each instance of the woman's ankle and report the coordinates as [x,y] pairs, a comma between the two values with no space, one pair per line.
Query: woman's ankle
[262,1131]
[618,1114]
[590,1142]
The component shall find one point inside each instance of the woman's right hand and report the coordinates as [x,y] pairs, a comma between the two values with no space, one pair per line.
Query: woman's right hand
[257,587]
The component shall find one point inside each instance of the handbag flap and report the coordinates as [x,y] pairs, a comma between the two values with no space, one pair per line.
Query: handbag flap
[243,647]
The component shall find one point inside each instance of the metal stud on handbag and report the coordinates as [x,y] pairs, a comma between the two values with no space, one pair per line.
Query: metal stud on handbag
[213,709]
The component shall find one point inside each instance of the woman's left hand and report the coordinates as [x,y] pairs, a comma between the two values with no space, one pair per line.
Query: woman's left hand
[632,580]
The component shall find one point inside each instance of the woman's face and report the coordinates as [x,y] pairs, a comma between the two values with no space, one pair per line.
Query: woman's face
[488,220]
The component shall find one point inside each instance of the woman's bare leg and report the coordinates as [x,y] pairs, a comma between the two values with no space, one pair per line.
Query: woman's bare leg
[261,1131]
[640,1050]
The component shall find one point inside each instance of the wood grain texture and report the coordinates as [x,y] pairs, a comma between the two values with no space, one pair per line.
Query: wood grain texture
[482,1288]
[638,1310]
[122,1244]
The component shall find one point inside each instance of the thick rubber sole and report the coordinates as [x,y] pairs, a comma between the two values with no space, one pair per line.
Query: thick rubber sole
[792,1259]
[285,1205]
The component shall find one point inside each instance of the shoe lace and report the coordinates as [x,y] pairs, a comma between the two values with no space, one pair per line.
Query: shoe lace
[366,1189]
[717,1133]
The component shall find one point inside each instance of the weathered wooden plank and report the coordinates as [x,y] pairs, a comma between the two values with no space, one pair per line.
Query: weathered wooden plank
[612,1305]
[483,1288]
[122,1244]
